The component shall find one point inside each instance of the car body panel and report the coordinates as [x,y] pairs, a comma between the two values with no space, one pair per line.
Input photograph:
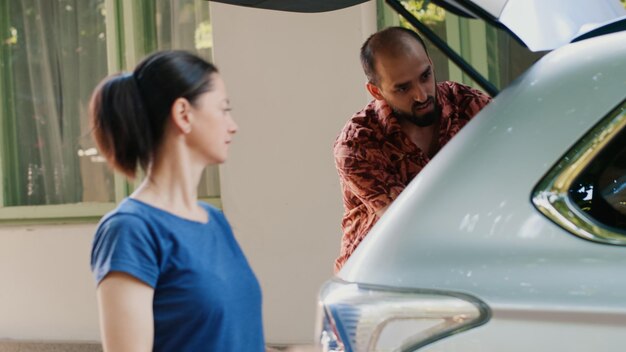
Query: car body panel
[456,233]
[546,25]
[541,25]
[542,331]
[494,7]
[295,5]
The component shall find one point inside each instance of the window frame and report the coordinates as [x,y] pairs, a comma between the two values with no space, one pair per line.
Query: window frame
[69,212]
[551,195]
[124,50]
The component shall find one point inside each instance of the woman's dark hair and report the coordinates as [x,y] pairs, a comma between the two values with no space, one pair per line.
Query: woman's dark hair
[129,112]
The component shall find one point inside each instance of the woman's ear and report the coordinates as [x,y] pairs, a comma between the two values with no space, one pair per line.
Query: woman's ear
[181,115]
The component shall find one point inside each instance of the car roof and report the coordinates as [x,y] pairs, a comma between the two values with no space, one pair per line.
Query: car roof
[541,25]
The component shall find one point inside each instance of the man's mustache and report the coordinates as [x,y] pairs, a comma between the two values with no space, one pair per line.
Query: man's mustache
[418,105]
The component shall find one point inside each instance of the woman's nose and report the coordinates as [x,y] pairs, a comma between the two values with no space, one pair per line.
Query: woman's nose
[233,128]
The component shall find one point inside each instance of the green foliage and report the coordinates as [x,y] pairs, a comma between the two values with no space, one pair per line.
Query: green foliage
[425,11]
[204,35]
[12,38]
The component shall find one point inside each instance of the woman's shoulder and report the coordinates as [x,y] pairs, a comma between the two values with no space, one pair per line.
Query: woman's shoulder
[128,211]
[123,221]
[133,216]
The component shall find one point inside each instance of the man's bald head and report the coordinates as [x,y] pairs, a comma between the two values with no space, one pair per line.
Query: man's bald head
[392,41]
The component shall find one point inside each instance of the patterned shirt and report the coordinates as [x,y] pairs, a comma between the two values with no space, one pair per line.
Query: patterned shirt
[376,160]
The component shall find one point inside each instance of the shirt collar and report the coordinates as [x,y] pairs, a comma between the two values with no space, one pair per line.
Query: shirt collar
[385,116]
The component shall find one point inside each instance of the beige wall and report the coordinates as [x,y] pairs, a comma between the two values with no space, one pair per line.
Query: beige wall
[293,79]
[47,292]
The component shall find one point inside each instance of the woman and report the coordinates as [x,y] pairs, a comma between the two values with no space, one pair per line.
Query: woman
[170,275]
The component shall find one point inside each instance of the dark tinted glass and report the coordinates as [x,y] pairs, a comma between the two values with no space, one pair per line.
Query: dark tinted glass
[600,190]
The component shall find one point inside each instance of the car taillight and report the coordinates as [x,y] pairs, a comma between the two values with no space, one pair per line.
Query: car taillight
[363,318]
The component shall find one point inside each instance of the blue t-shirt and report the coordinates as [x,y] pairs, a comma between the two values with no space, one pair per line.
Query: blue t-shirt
[206,297]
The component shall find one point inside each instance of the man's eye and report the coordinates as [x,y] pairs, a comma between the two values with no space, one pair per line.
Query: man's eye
[426,75]
[402,89]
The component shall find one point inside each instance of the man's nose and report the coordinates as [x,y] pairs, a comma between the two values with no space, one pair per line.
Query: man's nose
[420,95]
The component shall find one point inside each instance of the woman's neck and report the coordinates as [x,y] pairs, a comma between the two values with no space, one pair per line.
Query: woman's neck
[171,184]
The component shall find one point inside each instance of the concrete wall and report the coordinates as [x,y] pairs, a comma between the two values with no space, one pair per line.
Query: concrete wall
[293,80]
[46,288]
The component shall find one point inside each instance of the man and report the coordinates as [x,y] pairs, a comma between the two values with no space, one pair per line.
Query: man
[382,147]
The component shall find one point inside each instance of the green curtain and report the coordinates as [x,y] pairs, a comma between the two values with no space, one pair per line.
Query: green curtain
[9,154]
[56,61]
[53,54]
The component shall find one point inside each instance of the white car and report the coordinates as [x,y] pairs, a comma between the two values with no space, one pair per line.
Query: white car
[512,238]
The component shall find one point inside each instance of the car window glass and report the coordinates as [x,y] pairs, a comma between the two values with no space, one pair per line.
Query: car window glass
[600,190]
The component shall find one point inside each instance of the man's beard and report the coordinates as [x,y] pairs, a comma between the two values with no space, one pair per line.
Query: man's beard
[423,120]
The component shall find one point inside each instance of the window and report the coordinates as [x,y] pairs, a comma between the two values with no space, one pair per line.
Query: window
[586,191]
[600,190]
[497,56]
[53,53]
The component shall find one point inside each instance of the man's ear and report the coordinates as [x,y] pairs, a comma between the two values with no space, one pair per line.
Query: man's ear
[181,115]
[374,91]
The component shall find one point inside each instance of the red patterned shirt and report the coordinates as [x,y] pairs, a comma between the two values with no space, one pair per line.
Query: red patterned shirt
[376,160]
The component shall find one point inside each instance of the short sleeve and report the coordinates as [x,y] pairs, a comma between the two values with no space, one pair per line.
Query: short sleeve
[367,176]
[124,243]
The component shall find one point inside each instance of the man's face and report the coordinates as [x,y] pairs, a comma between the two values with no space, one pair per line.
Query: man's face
[407,83]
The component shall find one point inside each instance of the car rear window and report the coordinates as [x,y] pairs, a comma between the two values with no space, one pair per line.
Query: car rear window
[585,191]
[600,189]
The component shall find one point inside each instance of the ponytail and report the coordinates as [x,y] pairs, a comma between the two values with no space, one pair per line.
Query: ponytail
[120,123]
